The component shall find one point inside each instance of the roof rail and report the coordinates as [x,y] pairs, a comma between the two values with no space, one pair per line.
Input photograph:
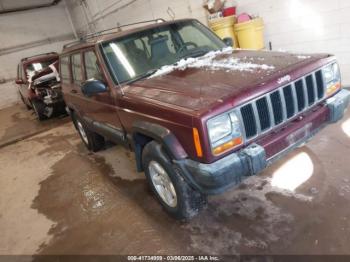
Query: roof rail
[49,53]
[103,32]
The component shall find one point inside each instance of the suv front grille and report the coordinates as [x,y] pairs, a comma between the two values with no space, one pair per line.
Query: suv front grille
[264,116]
[277,107]
[288,96]
[249,120]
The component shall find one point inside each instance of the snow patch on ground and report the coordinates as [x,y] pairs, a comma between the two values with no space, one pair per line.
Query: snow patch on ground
[207,61]
[94,199]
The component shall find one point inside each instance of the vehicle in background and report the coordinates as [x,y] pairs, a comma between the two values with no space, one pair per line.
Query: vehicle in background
[200,116]
[39,84]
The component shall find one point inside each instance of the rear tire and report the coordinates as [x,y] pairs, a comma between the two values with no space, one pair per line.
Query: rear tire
[39,109]
[24,102]
[181,201]
[93,141]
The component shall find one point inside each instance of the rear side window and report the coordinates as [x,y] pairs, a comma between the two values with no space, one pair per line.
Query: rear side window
[76,69]
[64,70]
[22,73]
[91,66]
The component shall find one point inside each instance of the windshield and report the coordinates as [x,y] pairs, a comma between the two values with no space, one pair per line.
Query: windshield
[32,68]
[137,55]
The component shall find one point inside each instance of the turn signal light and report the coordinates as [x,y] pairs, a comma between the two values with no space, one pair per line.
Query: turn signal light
[227,146]
[333,88]
[197,142]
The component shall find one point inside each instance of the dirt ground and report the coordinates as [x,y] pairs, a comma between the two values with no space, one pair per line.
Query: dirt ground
[57,198]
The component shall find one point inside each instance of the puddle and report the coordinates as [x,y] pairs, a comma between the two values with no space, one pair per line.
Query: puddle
[97,212]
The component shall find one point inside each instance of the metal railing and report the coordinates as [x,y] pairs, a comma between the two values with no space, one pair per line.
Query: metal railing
[108,31]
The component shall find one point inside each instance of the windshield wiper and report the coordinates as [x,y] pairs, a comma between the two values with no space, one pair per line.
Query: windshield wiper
[142,76]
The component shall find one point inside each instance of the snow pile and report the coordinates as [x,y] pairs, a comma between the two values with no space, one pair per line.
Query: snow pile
[94,198]
[303,57]
[236,65]
[207,61]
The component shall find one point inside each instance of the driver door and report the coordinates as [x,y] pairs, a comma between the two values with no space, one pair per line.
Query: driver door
[100,108]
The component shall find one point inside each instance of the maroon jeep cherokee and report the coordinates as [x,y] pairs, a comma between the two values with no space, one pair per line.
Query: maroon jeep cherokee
[38,84]
[199,115]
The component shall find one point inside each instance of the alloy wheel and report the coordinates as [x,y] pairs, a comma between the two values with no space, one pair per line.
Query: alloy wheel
[162,183]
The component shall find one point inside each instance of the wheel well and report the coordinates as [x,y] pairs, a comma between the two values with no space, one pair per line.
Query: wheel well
[71,114]
[140,141]
[71,110]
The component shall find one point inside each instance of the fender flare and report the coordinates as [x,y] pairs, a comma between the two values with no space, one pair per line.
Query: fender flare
[160,134]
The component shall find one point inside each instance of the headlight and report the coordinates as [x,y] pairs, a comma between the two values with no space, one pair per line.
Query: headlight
[224,133]
[219,128]
[332,78]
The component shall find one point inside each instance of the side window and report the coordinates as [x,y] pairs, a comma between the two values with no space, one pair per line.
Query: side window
[64,70]
[91,66]
[76,69]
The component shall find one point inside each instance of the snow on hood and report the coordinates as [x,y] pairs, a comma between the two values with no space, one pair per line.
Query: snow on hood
[303,56]
[207,61]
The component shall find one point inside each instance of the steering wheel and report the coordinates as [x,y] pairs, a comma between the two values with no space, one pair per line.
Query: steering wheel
[184,45]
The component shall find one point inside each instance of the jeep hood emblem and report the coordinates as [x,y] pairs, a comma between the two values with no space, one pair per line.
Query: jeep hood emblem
[284,79]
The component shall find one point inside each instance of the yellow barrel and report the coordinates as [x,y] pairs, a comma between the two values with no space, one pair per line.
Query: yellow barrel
[250,34]
[224,27]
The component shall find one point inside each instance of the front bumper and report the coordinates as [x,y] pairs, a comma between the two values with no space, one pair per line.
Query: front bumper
[231,170]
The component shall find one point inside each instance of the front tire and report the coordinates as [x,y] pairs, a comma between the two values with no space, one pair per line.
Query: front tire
[93,141]
[39,109]
[172,191]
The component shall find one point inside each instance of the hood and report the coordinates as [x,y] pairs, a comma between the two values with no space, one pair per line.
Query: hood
[196,84]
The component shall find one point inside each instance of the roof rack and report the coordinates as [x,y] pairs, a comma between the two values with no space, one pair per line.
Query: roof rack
[103,32]
[49,53]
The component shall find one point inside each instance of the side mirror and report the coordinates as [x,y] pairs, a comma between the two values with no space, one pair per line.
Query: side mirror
[19,82]
[92,87]
[228,41]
